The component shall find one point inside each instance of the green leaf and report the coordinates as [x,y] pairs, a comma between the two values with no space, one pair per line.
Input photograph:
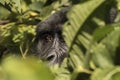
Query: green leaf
[25,69]
[104,52]
[5,1]
[112,40]
[118,4]
[4,13]
[101,57]
[2,1]
[16,5]
[36,6]
[116,76]
[77,17]
[61,72]
[100,33]
[107,73]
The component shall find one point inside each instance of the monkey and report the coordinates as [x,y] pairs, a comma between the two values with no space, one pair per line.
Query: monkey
[49,43]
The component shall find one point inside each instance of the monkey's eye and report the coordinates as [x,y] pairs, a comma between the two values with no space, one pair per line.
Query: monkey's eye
[47,37]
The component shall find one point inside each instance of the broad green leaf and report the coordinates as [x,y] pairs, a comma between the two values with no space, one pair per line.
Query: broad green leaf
[77,17]
[107,73]
[25,69]
[62,72]
[2,75]
[85,39]
[101,56]
[100,33]
[104,52]
[112,40]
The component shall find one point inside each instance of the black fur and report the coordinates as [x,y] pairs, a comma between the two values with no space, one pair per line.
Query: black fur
[49,42]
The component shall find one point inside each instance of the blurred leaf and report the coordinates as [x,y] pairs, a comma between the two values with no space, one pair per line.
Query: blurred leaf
[46,11]
[118,4]
[36,6]
[107,73]
[4,1]
[2,75]
[116,76]
[93,45]
[4,13]
[17,5]
[28,69]
[105,50]
[14,5]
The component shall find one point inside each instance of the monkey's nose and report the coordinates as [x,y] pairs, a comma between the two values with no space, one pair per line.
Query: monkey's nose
[50,57]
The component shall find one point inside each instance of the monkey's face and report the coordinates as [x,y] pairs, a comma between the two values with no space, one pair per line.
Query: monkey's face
[50,45]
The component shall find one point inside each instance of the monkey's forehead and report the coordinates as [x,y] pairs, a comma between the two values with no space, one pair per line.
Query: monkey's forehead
[45,26]
[54,22]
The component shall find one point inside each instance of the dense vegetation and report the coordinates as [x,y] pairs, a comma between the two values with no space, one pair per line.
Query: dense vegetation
[92,34]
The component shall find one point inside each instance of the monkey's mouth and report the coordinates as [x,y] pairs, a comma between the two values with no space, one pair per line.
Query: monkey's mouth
[55,58]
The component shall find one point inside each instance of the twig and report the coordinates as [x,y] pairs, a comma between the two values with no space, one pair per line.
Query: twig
[4,21]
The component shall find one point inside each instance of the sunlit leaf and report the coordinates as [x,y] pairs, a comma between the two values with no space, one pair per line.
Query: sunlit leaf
[28,69]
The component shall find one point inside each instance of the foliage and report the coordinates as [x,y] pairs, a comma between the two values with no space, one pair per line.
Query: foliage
[28,69]
[93,41]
